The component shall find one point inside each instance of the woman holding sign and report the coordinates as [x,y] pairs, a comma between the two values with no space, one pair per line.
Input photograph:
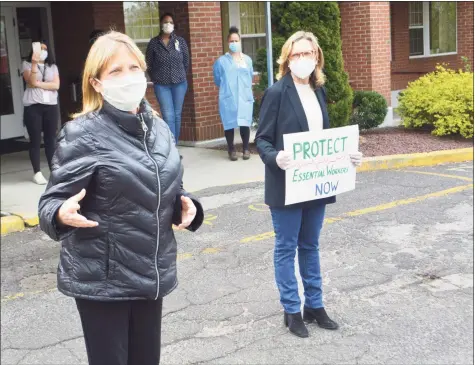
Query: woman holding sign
[296,103]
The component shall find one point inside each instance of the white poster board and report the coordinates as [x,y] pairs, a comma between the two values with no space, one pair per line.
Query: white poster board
[321,164]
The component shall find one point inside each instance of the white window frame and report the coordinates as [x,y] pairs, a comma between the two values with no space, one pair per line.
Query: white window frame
[426,34]
[235,19]
[142,40]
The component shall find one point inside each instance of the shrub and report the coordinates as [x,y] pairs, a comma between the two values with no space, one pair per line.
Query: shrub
[322,18]
[442,99]
[369,109]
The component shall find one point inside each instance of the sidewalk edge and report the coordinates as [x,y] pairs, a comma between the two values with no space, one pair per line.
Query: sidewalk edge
[17,222]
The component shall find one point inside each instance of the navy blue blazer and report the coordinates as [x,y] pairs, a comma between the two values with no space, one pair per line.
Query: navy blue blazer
[282,112]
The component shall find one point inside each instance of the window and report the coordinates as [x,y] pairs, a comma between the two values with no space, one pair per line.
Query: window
[142,21]
[432,28]
[250,18]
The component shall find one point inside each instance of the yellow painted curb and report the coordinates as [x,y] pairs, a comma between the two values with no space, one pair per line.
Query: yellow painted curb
[18,222]
[11,224]
[416,159]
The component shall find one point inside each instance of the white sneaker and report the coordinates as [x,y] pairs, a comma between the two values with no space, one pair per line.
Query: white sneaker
[39,179]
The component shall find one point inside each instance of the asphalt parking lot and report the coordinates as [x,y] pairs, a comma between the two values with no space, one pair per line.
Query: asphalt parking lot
[397,260]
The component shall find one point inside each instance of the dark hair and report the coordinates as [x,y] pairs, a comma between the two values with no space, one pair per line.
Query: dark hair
[165,15]
[233,30]
[96,33]
[48,61]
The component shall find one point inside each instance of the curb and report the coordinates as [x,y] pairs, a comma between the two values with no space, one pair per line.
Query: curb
[416,159]
[16,222]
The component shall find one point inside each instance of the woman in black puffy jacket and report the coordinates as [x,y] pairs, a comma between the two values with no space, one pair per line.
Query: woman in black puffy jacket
[114,193]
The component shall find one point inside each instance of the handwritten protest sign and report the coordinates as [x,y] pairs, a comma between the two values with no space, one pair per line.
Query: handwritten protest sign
[321,164]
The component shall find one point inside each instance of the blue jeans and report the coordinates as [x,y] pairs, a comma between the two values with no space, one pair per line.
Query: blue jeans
[298,228]
[171,98]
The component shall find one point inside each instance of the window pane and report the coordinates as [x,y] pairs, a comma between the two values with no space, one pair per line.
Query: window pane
[252,16]
[443,27]
[251,45]
[415,13]
[141,19]
[416,40]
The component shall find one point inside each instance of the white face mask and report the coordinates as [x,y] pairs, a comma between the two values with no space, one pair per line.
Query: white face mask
[43,55]
[168,28]
[303,67]
[125,93]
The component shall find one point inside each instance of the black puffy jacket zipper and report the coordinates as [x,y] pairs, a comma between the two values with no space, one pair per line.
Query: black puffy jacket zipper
[145,129]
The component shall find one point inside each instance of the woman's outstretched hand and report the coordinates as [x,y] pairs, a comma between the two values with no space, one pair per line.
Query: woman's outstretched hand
[188,212]
[68,213]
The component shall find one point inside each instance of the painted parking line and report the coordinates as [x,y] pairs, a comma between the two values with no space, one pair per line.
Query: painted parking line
[330,220]
[376,208]
[458,177]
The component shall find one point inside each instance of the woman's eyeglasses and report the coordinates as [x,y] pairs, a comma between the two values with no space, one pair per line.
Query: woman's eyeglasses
[296,56]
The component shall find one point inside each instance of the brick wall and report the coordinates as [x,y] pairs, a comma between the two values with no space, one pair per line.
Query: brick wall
[366,42]
[206,46]
[108,15]
[71,38]
[404,69]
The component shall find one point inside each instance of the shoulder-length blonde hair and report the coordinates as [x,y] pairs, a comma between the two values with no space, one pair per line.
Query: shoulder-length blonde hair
[99,55]
[317,79]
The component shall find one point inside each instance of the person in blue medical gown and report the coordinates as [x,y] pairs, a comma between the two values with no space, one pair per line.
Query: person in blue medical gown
[233,75]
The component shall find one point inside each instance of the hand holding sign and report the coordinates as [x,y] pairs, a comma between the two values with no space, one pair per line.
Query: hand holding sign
[356,158]
[322,163]
[284,160]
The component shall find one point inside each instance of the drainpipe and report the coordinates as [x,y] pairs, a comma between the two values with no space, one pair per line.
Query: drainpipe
[270,68]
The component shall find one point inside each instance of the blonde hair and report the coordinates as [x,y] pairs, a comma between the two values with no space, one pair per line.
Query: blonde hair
[103,49]
[317,79]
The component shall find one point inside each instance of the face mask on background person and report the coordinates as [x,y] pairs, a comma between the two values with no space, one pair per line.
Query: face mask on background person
[235,47]
[303,67]
[125,93]
[168,28]
[43,55]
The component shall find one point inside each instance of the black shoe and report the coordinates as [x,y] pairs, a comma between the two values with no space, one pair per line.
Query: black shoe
[320,316]
[232,156]
[295,324]
[246,155]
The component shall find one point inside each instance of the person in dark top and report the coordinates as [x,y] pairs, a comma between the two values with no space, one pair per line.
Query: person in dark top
[114,194]
[168,59]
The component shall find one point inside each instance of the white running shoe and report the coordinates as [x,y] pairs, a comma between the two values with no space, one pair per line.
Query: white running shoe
[39,179]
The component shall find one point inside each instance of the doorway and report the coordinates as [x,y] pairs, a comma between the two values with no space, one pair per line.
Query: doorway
[21,24]
[11,109]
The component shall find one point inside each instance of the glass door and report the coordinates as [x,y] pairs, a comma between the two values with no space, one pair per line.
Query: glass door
[11,113]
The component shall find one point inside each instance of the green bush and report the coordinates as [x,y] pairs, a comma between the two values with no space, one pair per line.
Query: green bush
[322,18]
[442,99]
[369,109]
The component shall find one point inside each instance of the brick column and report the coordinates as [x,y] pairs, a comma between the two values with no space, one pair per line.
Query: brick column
[366,43]
[200,24]
[465,31]
[108,15]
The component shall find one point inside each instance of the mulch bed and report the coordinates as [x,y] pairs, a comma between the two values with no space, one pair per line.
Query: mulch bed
[393,141]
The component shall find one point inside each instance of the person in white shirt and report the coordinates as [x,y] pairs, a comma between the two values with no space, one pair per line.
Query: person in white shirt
[40,102]
[296,103]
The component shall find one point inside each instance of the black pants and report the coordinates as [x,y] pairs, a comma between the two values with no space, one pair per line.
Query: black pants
[41,118]
[121,333]
[245,135]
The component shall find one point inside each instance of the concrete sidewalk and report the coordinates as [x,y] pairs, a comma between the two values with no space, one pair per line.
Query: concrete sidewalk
[204,168]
